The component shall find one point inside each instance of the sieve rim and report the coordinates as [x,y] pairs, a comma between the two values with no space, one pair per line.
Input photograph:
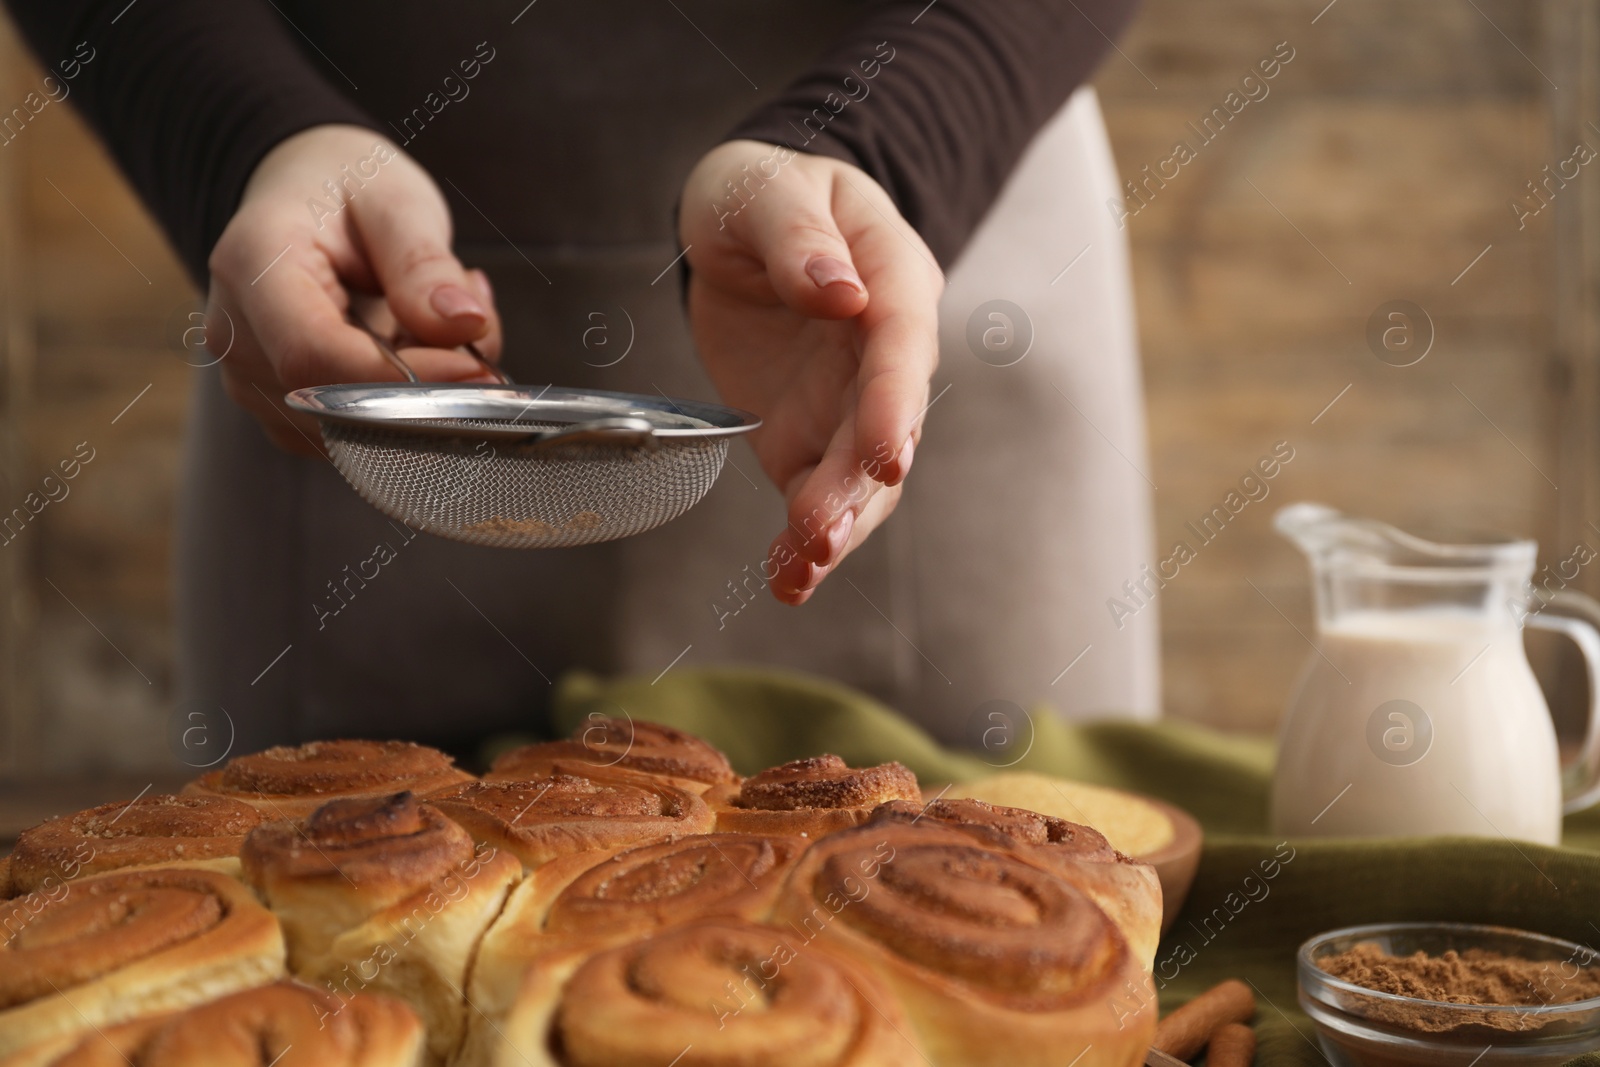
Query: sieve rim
[402,407]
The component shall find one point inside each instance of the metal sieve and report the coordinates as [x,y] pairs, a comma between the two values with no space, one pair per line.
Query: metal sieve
[517,466]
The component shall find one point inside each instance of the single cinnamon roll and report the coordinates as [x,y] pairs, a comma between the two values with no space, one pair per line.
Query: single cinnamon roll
[642,747]
[642,889]
[107,948]
[573,809]
[1128,891]
[382,894]
[284,1025]
[191,830]
[291,783]
[998,959]
[810,797]
[1010,826]
[718,992]
[625,895]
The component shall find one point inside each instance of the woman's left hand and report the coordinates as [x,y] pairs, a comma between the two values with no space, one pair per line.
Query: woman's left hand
[815,305]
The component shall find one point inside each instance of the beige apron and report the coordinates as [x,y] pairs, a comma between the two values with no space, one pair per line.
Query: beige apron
[303,612]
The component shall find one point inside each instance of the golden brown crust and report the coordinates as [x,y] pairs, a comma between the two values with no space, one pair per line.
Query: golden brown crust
[379,845]
[573,809]
[999,959]
[593,899]
[1012,827]
[812,797]
[290,783]
[826,782]
[772,1000]
[385,892]
[154,829]
[1126,890]
[715,876]
[287,1024]
[601,743]
[102,949]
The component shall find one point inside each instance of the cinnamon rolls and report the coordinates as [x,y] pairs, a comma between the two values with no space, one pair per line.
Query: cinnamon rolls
[618,898]
[810,796]
[604,743]
[102,949]
[192,830]
[382,894]
[1128,892]
[718,992]
[282,1025]
[998,959]
[626,895]
[573,808]
[290,783]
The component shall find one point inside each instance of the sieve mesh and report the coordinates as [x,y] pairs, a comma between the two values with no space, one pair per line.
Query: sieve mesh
[519,495]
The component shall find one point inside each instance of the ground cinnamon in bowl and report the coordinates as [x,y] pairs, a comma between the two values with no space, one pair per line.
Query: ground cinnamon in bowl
[1471,977]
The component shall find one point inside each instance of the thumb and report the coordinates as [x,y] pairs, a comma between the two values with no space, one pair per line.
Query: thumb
[791,229]
[407,236]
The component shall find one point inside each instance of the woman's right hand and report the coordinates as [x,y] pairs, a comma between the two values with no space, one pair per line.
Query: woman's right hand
[294,258]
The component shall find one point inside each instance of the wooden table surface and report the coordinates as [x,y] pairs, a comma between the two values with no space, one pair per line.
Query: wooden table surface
[26,801]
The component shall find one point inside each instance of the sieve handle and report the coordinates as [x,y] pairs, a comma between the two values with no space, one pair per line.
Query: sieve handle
[411,376]
[623,429]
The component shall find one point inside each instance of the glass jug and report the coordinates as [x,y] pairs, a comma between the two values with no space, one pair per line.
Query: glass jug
[1418,713]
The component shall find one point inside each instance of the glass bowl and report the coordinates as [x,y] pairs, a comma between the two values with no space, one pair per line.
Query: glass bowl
[1360,1027]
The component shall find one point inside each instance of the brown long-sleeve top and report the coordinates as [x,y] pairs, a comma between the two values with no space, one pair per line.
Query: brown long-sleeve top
[579,118]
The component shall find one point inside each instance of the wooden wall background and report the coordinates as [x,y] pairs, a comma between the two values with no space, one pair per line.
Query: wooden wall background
[1382,163]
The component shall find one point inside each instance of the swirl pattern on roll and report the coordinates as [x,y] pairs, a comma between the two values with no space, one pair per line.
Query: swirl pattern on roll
[282,1025]
[1127,891]
[382,893]
[153,829]
[724,993]
[105,948]
[1003,928]
[291,782]
[377,842]
[573,809]
[643,747]
[810,796]
[997,824]
[718,875]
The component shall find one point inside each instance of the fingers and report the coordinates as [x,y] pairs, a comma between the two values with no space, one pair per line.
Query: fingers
[438,365]
[787,222]
[406,234]
[831,507]
[899,332]
[842,499]
[795,578]
[491,344]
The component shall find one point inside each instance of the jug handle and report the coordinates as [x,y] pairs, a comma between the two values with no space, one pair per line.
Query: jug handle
[1583,627]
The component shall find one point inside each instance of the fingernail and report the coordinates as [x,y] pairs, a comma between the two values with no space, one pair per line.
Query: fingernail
[454,302]
[829,270]
[839,534]
[907,453]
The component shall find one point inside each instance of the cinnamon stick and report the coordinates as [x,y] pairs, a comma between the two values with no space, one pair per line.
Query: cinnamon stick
[1186,1031]
[1233,1045]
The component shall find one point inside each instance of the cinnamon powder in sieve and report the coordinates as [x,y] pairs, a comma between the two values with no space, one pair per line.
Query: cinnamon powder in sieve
[1474,977]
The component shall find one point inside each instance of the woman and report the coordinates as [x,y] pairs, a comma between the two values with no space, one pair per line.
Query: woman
[301,154]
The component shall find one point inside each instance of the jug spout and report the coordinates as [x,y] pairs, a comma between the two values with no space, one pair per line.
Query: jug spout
[1314,527]
[1325,534]
[1329,536]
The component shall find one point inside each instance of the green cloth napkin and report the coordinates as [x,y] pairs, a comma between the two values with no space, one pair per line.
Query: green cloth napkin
[1236,922]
